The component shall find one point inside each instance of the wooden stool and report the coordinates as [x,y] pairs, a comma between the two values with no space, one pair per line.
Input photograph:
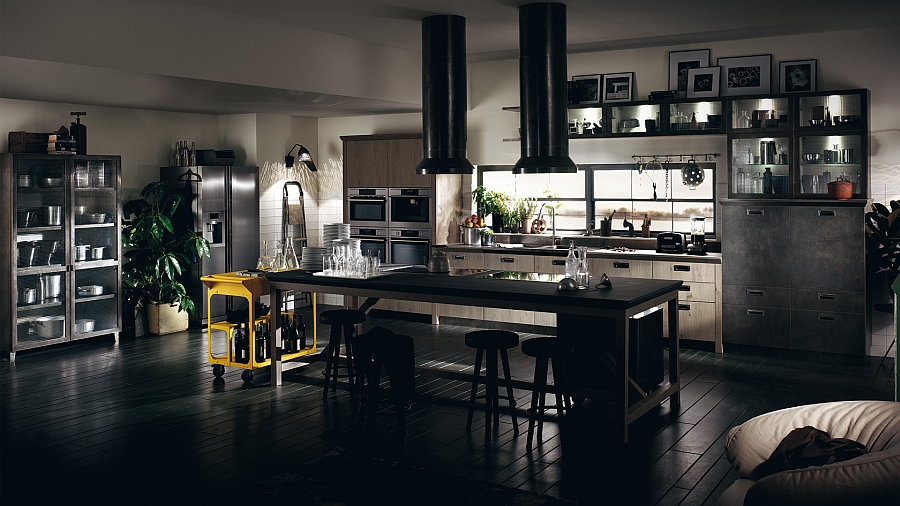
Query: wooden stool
[374,349]
[492,342]
[340,319]
[545,350]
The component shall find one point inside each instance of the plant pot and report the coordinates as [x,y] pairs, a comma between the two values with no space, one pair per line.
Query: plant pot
[487,240]
[166,319]
[527,225]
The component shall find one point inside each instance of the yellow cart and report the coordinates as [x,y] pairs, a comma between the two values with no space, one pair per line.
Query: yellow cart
[231,284]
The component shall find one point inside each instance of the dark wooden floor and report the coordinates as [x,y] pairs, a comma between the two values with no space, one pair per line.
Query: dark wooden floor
[142,421]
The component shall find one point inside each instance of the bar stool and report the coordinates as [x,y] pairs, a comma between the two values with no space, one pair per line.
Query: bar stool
[376,348]
[546,350]
[340,320]
[492,342]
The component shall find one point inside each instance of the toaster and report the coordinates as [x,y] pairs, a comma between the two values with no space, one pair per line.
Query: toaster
[670,242]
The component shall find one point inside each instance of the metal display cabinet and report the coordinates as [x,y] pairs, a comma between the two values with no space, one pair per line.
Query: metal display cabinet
[62,224]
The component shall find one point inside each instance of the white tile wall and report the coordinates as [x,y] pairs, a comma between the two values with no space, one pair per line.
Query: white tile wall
[883,333]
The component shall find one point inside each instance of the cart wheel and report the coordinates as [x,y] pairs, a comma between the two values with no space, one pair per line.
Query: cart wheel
[247,375]
[218,370]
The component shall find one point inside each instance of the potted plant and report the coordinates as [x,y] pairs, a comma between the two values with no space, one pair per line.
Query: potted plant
[487,236]
[527,208]
[161,246]
[883,253]
[493,203]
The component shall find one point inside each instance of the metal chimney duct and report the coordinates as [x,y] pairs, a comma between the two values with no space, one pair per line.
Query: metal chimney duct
[543,90]
[444,96]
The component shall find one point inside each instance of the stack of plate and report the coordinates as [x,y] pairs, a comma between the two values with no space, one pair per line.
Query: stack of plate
[332,231]
[353,243]
[312,258]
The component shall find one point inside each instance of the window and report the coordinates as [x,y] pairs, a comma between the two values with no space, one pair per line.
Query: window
[598,191]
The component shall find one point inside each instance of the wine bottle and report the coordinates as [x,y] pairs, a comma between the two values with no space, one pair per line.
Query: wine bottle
[259,344]
[302,344]
[286,343]
[241,345]
[571,261]
[267,338]
[192,156]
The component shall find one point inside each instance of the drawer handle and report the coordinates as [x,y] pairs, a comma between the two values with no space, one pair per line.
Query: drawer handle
[756,312]
[757,212]
[459,257]
[621,265]
[684,307]
[826,296]
[682,268]
[826,213]
[826,317]
[559,262]
[755,293]
[507,259]
[684,288]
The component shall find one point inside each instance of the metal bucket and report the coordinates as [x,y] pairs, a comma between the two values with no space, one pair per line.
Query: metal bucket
[26,253]
[52,216]
[471,235]
[50,326]
[51,286]
[27,295]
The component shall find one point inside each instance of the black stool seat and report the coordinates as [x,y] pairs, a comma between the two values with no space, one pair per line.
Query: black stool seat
[342,323]
[492,343]
[547,350]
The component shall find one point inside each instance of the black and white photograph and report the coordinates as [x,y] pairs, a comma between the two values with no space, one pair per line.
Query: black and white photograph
[585,89]
[703,82]
[746,75]
[679,64]
[618,87]
[796,76]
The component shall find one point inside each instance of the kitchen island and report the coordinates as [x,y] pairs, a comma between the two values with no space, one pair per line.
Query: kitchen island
[611,306]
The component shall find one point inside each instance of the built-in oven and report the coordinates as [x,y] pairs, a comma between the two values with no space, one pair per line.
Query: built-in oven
[409,246]
[369,207]
[372,241]
[411,208]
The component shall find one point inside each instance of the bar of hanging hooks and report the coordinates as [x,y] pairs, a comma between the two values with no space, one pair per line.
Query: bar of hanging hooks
[675,157]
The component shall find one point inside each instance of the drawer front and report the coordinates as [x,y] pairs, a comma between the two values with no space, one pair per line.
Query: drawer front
[759,296]
[696,321]
[829,332]
[837,225]
[466,260]
[757,326]
[501,262]
[508,315]
[824,300]
[685,271]
[697,292]
[824,265]
[755,248]
[545,319]
[550,264]
[624,268]
[470,312]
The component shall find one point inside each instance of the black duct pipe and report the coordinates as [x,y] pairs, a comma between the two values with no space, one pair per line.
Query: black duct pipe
[543,90]
[444,96]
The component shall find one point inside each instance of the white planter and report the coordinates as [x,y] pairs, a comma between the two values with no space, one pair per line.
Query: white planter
[165,319]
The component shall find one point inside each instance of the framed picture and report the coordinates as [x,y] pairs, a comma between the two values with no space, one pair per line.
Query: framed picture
[680,62]
[617,87]
[746,75]
[703,82]
[797,75]
[586,89]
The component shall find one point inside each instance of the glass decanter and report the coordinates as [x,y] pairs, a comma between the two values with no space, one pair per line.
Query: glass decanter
[290,256]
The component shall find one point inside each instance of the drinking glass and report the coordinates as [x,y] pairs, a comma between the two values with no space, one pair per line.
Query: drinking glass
[582,274]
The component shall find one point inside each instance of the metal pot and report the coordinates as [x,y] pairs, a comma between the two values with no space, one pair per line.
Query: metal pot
[97,252]
[848,156]
[84,325]
[82,252]
[25,181]
[27,295]
[470,235]
[24,218]
[89,290]
[53,215]
[26,252]
[832,155]
[51,286]
[49,250]
[767,152]
[50,326]
[50,182]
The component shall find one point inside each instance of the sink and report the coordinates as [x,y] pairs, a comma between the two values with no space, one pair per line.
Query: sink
[530,241]
[545,246]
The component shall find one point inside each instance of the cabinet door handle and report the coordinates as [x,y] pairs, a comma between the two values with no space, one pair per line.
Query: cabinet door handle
[684,288]
[755,293]
[507,260]
[826,213]
[621,265]
[826,317]
[684,307]
[756,212]
[756,312]
[559,262]
[826,296]
[682,268]
[459,257]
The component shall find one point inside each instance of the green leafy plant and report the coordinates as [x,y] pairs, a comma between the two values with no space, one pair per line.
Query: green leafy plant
[161,246]
[527,208]
[883,242]
[485,231]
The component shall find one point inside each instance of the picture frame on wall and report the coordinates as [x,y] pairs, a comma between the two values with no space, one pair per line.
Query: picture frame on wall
[796,76]
[746,75]
[618,87]
[586,89]
[679,64]
[703,82]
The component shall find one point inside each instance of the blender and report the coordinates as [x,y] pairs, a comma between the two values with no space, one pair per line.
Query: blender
[697,246]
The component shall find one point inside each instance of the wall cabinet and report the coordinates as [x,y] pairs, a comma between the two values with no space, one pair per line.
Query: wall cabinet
[383,161]
[794,277]
[61,223]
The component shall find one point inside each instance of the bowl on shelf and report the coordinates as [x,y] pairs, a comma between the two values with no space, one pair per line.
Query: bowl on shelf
[817,122]
[50,182]
[84,325]
[846,120]
[90,218]
[89,290]
[812,157]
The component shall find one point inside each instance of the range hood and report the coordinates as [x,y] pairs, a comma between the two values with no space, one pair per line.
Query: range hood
[543,90]
[444,96]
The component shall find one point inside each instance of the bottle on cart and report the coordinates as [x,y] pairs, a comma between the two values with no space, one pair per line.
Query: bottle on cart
[571,262]
[287,344]
[286,335]
[241,345]
[301,334]
[259,343]
[267,339]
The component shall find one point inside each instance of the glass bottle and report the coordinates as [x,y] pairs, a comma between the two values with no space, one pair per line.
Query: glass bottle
[571,262]
[744,120]
[582,275]
[192,156]
[741,181]
[259,343]
[290,256]
[301,337]
[241,345]
[278,261]
[694,124]
[767,181]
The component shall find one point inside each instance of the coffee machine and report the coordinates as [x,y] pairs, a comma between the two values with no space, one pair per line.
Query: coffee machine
[697,246]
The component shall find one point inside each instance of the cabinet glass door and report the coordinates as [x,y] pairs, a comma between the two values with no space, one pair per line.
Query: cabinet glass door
[754,114]
[96,246]
[705,116]
[825,158]
[634,119]
[40,235]
[760,166]
[840,109]
[585,122]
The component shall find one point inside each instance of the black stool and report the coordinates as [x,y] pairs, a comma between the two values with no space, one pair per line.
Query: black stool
[374,349]
[546,350]
[492,342]
[340,319]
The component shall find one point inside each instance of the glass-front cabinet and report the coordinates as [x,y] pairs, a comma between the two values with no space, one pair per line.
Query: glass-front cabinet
[634,118]
[61,222]
[827,158]
[833,110]
[760,166]
[686,117]
[585,122]
[763,113]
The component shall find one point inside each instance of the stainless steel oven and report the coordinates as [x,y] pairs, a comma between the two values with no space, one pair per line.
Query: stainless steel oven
[409,246]
[369,207]
[411,208]
[373,241]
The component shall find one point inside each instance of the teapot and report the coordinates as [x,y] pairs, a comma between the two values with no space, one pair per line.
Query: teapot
[439,262]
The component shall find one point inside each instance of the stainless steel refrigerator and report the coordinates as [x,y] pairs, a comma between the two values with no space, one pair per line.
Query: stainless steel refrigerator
[225,209]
